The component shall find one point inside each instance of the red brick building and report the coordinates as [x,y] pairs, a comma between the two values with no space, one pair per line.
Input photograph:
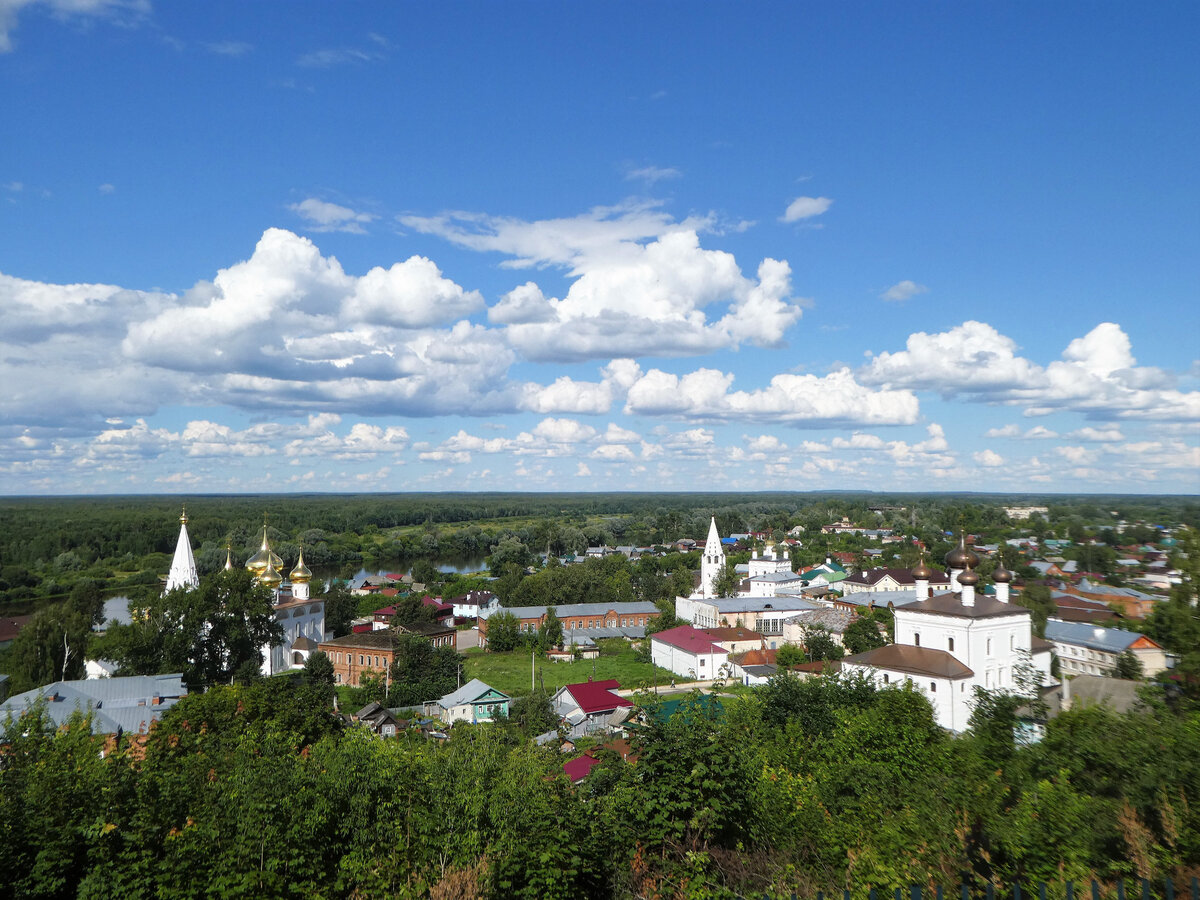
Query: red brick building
[354,654]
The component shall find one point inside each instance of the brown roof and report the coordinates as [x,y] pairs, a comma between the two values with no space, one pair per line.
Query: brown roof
[755,657]
[426,629]
[733,633]
[1040,645]
[951,605]
[917,660]
[900,576]
[364,640]
[11,625]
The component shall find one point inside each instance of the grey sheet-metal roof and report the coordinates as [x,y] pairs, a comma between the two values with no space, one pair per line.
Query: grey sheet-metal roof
[583,636]
[761,604]
[777,577]
[128,703]
[582,609]
[766,670]
[1088,588]
[468,693]
[1110,640]
[880,598]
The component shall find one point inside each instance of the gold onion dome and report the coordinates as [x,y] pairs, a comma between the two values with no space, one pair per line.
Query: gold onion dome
[1001,575]
[261,560]
[300,574]
[271,578]
[968,578]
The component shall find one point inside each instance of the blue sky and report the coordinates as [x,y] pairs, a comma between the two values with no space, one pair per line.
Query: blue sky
[382,246]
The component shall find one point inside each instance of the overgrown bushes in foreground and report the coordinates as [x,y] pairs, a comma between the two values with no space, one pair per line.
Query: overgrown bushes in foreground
[257,791]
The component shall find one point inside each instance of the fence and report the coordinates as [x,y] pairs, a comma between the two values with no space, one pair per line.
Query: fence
[1144,889]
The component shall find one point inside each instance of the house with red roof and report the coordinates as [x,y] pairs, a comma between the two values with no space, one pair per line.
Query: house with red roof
[689,652]
[590,705]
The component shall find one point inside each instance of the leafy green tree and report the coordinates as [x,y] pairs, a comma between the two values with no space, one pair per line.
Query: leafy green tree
[51,647]
[318,668]
[208,633]
[727,581]
[1037,599]
[420,671]
[550,632]
[341,607]
[425,572]
[862,635]
[1128,666]
[820,645]
[503,632]
[509,551]
[790,655]
[412,608]
[533,713]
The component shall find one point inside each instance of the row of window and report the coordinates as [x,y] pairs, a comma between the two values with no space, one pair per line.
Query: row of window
[962,687]
[1012,643]
[376,662]
[1086,668]
[593,622]
[1069,650]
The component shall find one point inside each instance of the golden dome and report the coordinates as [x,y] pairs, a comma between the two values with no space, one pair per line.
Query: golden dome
[228,557]
[271,577]
[922,572]
[1001,575]
[300,574]
[263,558]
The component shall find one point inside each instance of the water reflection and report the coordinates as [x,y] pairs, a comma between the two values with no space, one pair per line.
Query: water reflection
[467,565]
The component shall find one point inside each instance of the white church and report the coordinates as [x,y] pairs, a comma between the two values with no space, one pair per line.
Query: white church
[948,644]
[301,616]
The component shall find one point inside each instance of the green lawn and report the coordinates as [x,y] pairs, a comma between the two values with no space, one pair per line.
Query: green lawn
[510,672]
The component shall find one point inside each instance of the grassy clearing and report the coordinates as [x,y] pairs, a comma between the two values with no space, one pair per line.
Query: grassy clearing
[510,672]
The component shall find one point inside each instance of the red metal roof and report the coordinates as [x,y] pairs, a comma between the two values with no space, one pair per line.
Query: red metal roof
[597,696]
[685,637]
[577,769]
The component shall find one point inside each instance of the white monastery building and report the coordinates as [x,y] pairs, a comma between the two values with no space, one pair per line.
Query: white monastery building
[948,644]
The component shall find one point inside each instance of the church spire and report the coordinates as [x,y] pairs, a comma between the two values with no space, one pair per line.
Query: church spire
[183,567]
[713,561]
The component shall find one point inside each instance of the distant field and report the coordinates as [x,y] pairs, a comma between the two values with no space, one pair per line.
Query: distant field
[510,672]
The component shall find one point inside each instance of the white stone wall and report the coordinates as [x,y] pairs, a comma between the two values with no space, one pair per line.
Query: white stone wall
[687,665]
[951,700]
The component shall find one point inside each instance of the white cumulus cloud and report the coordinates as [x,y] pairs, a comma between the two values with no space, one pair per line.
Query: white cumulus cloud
[321,215]
[903,290]
[805,208]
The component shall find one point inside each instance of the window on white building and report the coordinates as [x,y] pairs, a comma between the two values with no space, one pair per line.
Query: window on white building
[916,639]
[951,642]
[989,646]
[933,687]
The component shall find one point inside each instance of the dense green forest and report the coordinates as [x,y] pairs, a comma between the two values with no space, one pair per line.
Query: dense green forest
[258,791]
[121,543]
